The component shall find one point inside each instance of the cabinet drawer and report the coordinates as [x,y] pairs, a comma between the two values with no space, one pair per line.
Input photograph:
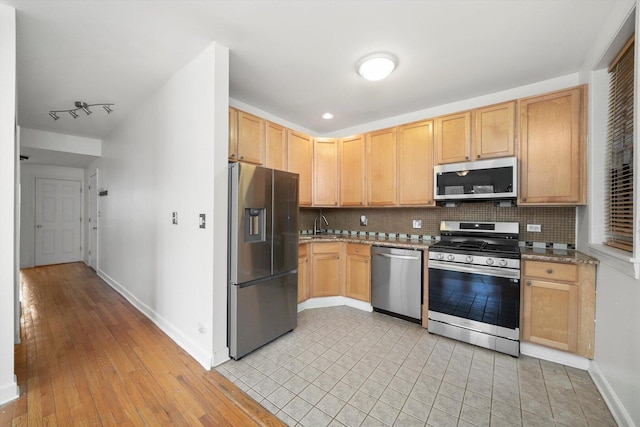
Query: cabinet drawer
[302,250]
[357,249]
[326,248]
[551,271]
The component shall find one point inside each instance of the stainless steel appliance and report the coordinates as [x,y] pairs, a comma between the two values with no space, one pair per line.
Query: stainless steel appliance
[263,256]
[474,284]
[396,282]
[479,180]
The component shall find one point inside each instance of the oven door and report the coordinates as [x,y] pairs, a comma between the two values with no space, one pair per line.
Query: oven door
[478,298]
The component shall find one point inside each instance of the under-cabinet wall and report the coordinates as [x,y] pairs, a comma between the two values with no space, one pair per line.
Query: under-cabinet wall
[558,223]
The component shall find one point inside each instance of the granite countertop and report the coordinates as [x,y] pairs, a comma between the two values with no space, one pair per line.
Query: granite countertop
[569,256]
[396,242]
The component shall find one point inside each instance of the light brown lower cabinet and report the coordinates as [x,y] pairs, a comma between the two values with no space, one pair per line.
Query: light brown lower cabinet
[303,272]
[358,272]
[327,276]
[558,306]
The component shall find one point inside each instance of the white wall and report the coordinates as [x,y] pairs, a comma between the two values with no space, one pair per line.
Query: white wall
[28,176]
[616,365]
[8,153]
[60,142]
[169,156]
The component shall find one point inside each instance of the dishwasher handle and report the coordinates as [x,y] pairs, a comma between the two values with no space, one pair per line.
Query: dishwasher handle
[416,258]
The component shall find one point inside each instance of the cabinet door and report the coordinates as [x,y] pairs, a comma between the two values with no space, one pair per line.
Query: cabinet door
[325,172]
[552,149]
[550,314]
[303,285]
[326,273]
[276,145]
[250,138]
[453,138]
[495,131]
[358,277]
[352,171]
[300,148]
[233,134]
[381,167]
[415,164]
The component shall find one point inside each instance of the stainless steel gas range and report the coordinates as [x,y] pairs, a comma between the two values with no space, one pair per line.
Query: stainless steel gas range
[474,284]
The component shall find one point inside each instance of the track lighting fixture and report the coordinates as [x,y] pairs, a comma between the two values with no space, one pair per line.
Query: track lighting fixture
[80,105]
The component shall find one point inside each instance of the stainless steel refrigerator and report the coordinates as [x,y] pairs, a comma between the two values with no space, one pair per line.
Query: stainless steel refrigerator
[263,256]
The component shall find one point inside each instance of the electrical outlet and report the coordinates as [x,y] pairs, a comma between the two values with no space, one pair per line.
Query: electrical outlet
[535,228]
[417,223]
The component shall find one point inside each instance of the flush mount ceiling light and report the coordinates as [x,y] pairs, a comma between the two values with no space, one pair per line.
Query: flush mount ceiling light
[376,66]
[327,116]
[80,105]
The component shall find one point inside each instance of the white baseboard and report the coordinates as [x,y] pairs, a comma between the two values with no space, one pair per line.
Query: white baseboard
[322,302]
[10,391]
[610,397]
[220,357]
[551,355]
[203,357]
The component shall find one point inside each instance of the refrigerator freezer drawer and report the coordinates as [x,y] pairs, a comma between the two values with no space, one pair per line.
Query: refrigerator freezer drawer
[261,311]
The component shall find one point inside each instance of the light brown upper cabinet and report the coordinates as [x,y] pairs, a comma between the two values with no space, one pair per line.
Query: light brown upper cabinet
[381,167]
[300,159]
[325,172]
[415,164]
[251,138]
[276,145]
[494,131]
[233,134]
[552,148]
[453,138]
[352,171]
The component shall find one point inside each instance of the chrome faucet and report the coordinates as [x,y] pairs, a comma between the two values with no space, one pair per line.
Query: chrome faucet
[317,230]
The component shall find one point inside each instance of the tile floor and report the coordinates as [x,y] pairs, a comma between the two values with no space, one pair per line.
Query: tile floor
[346,367]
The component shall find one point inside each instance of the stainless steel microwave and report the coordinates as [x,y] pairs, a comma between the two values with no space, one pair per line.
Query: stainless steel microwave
[482,179]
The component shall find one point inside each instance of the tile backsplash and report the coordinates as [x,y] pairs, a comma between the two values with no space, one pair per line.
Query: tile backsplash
[558,223]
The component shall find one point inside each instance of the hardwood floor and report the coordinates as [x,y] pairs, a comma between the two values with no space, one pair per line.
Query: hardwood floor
[88,357]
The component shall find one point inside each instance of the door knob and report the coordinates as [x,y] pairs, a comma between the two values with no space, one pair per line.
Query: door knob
[39,226]
[95,228]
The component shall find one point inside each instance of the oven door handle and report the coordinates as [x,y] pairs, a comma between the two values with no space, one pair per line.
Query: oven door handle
[475,269]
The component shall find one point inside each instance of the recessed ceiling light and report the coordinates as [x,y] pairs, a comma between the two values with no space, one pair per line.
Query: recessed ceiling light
[327,116]
[376,66]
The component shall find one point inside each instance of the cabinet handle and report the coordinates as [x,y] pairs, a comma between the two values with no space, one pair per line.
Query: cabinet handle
[466,158]
[232,155]
[549,270]
[524,199]
[241,157]
[478,156]
[366,261]
[528,282]
[337,257]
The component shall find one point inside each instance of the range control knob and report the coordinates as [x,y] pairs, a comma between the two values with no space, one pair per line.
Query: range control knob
[503,262]
[440,256]
[489,261]
[450,257]
[469,258]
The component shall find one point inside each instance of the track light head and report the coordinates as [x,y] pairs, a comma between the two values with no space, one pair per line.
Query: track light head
[53,115]
[107,108]
[73,114]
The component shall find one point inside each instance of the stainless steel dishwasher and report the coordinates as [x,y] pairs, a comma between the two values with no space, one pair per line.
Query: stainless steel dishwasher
[396,282]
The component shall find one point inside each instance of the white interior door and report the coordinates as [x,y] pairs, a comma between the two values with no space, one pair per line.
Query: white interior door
[93,221]
[58,221]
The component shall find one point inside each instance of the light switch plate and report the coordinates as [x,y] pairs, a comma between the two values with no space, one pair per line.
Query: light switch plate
[203,221]
[417,223]
[174,218]
[535,228]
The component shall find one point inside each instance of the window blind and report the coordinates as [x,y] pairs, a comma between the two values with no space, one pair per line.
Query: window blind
[619,203]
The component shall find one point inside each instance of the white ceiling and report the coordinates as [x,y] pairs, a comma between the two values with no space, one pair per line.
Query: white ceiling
[294,59]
